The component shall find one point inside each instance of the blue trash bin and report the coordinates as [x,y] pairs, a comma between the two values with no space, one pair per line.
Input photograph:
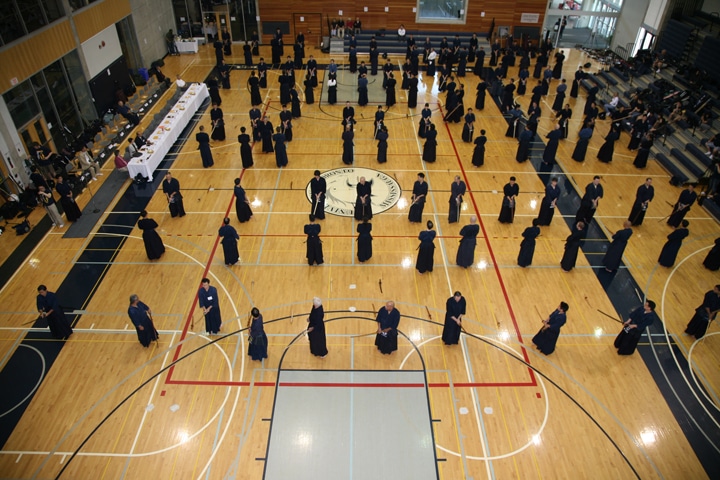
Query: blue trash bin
[143,72]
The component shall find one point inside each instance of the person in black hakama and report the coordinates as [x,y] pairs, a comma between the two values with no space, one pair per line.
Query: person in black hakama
[352,59]
[524,142]
[523,77]
[540,63]
[479,62]
[546,339]
[704,314]
[388,319]
[615,251]
[313,252]
[49,308]
[579,75]
[527,246]
[412,90]
[226,41]
[551,147]
[672,246]
[141,316]
[257,339]
[590,99]
[559,96]
[224,71]
[203,140]
[362,90]
[309,93]
[572,245]
[286,81]
[582,144]
[218,124]
[682,206]
[633,328]
[332,89]
[510,192]
[478,158]
[266,133]
[171,189]
[508,91]
[563,117]
[425,120]
[218,46]
[247,53]
[295,103]
[454,310]
[590,201]
[605,154]
[363,200]
[468,127]
[348,146]
[275,51]
[644,195]
[229,242]
[286,123]
[417,201]
[712,260]
[513,116]
[364,241]
[262,73]
[382,146]
[245,148]
[281,158]
[639,129]
[210,304]
[537,94]
[348,116]
[644,151]
[457,190]
[481,91]
[465,255]
[426,249]
[318,187]
[430,145]
[214,91]
[316,329]
[154,247]
[557,69]
[255,123]
[242,204]
[534,112]
[472,51]
[379,119]
[547,205]
[390,90]
[67,200]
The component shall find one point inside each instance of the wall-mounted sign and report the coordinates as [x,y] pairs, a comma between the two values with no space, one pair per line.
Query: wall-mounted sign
[530,18]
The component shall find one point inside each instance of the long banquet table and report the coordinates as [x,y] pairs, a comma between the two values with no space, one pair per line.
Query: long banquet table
[168,131]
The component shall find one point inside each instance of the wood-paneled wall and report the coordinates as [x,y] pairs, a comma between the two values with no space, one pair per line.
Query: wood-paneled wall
[99,16]
[401,12]
[32,54]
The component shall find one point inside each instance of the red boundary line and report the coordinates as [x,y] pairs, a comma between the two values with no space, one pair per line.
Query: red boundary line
[211,383]
[490,250]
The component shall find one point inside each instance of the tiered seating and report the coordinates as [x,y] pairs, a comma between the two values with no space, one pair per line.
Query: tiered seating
[388,42]
[675,38]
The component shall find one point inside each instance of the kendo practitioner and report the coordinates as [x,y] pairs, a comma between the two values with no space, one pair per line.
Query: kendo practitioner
[454,310]
[266,133]
[639,129]
[462,62]
[672,246]
[412,90]
[429,147]
[563,117]
[478,158]
[245,148]
[262,73]
[633,328]
[540,62]
[388,319]
[536,94]
[298,54]
[472,51]
[224,71]
[508,91]
[281,158]
[309,93]
[286,81]
[218,46]
[425,121]
[352,59]
[559,59]
[374,58]
[229,242]
[427,47]
[247,53]
[479,62]
[387,70]
[257,339]
[426,249]
[49,308]
[559,96]
[255,43]
[431,65]
[390,90]
[154,247]
[254,83]
[572,245]
[590,99]
[255,116]
[210,304]
[546,339]
[214,91]
[67,200]
[295,102]
[362,90]
[548,203]
[644,195]
[547,78]
[527,246]
[579,75]
[382,137]
[275,51]
[417,201]
[316,329]
[510,192]
[523,76]
[480,98]
[465,255]
[615,251]
[524,141]
[242,204]
[362,69]
[227,42]
[406,69]
[457,190]
[590,201]
[171,189]
[314,251]
[551,147]
[644,151]
[363,200]
[379,119]
[141,316]
[712,260]
[332,89]
[286,123]
[318,187]
[218,125]
[311,69]
[581,146]
[348,116]
[704,314]
[534,113]
[364,241]
[513,116]
[468,128]
[289,68]
[203,140]
[348,146]
[682,206]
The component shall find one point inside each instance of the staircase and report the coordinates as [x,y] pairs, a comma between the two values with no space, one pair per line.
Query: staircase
[337,45]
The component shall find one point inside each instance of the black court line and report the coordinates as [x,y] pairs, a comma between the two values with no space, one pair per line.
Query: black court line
[620,286]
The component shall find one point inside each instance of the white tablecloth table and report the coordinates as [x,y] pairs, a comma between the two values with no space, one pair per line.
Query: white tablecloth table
[168,131]
[186,46]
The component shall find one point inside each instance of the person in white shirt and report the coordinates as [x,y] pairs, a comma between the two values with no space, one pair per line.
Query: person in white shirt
[87,164]
[401,33]
[181,85]
[610,107]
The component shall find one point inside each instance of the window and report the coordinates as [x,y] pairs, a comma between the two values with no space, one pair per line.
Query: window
[452,11]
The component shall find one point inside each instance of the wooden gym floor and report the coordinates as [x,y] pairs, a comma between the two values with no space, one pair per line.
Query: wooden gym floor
[584,412]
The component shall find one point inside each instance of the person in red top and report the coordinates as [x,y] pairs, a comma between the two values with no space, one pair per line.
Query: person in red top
[120,163]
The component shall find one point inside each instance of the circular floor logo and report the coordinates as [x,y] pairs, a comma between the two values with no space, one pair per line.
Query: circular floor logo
[341,190]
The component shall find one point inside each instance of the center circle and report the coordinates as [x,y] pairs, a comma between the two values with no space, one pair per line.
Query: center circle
[341,190]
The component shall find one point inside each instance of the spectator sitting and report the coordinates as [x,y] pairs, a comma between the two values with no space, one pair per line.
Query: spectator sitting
[141,141]
[349,26]
[129,115]
[120,163]
[357,25]
[712,143]
[131,150]
[86,163]
[181,85]
[660,60]
[706,122]
[610,107]
[401,33]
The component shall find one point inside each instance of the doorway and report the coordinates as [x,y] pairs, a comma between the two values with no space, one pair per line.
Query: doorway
[36,131]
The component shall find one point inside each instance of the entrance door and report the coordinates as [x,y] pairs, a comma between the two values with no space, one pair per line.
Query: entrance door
[36,131]
[311,26]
